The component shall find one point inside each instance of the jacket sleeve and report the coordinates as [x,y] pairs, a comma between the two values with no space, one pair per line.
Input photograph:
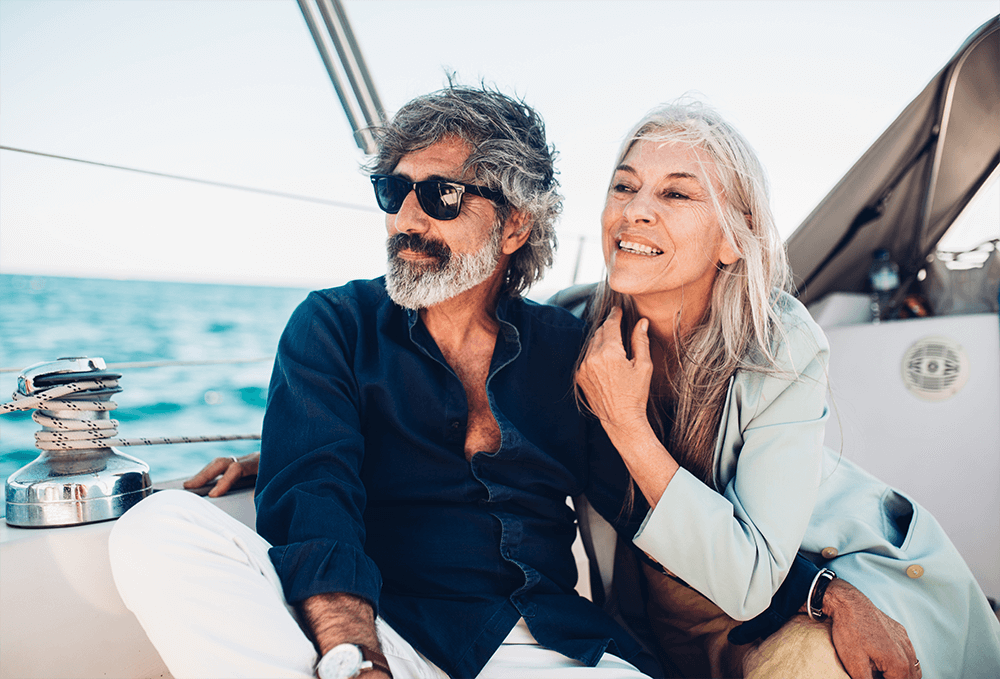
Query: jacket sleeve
[737,547]
[310,498]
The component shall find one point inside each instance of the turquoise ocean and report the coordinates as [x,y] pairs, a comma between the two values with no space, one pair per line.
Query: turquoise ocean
[43,318]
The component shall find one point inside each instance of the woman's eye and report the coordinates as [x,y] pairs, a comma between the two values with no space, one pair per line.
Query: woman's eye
[621,188]
[674,195]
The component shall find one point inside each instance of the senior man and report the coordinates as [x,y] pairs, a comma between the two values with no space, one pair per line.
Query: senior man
[420,441]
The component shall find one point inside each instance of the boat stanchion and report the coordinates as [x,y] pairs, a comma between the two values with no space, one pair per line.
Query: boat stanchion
[78,478]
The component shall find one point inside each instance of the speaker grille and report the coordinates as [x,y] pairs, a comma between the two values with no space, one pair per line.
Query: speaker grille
[935,368]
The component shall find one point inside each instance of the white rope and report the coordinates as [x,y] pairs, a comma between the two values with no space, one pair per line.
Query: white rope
[75,434]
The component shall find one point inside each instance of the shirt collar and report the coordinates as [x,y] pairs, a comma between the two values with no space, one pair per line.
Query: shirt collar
[507,314]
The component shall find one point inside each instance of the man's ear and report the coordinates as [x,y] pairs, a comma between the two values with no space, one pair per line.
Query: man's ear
[516,231]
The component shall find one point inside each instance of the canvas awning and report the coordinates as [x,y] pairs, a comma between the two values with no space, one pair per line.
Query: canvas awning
[912,183]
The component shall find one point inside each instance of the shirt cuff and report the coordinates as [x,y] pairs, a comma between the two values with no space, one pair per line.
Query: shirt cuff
[326,567]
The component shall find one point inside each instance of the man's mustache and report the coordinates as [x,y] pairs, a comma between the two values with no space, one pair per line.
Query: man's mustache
[416,243]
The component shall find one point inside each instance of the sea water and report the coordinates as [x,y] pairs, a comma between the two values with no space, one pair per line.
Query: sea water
[44,318]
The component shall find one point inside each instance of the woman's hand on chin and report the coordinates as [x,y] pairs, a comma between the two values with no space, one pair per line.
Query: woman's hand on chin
[616,387]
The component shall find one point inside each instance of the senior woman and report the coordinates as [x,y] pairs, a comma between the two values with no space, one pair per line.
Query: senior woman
[710,380]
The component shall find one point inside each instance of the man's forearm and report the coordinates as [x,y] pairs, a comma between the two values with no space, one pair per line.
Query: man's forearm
[336,619]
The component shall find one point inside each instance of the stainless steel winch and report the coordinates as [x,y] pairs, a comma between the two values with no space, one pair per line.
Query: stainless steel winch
[77,478]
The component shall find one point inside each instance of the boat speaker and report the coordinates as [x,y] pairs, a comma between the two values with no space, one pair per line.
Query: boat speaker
[935,368]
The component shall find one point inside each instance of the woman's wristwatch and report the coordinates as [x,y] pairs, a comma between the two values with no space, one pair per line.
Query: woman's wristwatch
[351,660]
[814,602]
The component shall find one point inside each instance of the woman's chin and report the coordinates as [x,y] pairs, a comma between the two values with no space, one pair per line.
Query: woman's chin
[626,284]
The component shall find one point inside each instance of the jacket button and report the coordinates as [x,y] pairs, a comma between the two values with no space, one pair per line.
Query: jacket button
[829,553]
[915,570]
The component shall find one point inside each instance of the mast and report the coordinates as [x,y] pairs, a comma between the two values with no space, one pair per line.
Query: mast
[364,109]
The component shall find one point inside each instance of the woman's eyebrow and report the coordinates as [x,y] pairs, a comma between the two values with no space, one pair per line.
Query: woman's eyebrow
[683,175]
[673,175]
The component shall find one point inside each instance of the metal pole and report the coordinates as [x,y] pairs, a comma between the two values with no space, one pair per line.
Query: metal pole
[352,60]
[365,109]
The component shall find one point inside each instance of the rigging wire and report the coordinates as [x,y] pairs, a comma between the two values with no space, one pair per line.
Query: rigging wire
[208,182]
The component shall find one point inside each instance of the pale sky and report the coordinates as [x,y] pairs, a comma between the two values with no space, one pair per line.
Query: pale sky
[234,92]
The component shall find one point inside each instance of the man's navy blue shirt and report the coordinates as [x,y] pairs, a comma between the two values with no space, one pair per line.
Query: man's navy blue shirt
[364,486]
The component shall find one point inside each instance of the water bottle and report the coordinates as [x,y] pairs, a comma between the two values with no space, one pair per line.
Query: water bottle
[883,279]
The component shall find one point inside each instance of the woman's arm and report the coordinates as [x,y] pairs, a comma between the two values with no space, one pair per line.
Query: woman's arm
[740,544]
[737,546]
[617,390]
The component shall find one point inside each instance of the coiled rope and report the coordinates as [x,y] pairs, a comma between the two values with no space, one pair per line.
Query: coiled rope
[84,434]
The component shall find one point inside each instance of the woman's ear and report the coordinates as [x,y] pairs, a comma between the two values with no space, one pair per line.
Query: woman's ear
[726,253]
[516,232]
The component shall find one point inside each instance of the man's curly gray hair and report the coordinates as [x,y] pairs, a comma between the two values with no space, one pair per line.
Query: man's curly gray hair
[509,154]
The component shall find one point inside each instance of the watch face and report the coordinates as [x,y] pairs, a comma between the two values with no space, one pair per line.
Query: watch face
[340,662]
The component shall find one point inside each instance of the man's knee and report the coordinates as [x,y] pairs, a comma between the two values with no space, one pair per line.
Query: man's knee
[802,648]
[139,535]
[142,521]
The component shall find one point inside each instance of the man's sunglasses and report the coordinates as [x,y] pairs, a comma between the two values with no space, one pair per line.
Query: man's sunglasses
[439,199]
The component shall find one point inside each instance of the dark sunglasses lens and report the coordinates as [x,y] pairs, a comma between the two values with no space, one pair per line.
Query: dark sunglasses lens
[440,200]
[390,192]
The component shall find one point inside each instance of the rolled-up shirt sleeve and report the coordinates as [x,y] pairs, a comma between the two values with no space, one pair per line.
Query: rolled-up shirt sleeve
[310,497]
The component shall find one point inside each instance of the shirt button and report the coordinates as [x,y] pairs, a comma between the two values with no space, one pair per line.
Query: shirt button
[830,553]
[456,425]
[915,570]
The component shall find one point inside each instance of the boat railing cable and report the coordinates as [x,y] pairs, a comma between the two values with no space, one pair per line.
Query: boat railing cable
[196,180]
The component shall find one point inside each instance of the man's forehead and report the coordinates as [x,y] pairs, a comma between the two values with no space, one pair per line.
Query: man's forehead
[444,159]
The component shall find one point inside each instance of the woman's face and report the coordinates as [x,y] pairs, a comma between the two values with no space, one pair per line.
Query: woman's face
[661,235]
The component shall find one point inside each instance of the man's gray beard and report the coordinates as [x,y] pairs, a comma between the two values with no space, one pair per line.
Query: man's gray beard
[418,286]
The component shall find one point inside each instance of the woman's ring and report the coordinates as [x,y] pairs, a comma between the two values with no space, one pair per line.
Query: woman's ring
[917,664]
[235,461]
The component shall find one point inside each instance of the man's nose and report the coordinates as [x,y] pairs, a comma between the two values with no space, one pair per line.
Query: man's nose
[411,217]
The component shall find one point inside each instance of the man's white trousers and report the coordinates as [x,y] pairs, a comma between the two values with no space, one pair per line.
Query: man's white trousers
[203,587]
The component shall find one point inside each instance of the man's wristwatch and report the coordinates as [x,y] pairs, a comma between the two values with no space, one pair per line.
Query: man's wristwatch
[351,660]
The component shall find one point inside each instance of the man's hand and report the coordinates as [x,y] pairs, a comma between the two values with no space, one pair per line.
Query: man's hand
[867,639]
[230,468]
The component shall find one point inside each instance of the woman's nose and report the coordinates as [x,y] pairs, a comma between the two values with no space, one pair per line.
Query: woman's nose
[640,208]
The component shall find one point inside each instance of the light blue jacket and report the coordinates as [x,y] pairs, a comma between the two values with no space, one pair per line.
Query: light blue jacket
[782,491]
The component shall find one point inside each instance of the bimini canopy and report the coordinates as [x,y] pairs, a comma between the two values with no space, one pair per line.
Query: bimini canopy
[909,187]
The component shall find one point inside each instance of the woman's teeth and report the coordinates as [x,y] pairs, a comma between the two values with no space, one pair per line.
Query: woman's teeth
[638,248]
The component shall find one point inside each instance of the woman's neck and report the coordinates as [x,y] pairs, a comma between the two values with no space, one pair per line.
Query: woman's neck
[671,318]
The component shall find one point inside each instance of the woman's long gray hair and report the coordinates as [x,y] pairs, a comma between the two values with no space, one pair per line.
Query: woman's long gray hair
[509,153]
[741,323]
